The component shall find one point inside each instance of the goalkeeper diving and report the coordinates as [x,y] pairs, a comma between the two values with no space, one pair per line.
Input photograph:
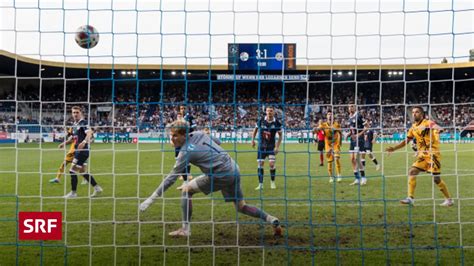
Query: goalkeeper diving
[221,173]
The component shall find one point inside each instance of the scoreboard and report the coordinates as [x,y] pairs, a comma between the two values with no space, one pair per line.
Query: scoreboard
[263,56]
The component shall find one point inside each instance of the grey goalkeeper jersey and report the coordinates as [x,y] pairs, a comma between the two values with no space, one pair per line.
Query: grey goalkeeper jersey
[204,152]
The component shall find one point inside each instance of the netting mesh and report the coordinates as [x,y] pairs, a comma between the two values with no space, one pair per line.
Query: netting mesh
[153,58]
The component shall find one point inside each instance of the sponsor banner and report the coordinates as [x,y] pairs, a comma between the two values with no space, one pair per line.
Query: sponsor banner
[104,108]
[4,135]
[117,138]
[260,77]
[239,136]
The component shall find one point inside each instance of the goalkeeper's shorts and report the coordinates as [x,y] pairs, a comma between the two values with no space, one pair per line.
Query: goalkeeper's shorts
[228,185]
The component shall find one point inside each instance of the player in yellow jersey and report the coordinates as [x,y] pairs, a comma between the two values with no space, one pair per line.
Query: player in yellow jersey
[426,134]
[68,159]
[332,142]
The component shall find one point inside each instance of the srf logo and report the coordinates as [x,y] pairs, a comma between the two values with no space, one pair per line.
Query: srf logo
[40,225]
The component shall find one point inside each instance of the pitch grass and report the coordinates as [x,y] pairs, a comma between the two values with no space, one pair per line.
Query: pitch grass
[324,223]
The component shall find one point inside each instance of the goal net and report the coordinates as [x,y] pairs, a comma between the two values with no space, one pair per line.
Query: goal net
[224,63]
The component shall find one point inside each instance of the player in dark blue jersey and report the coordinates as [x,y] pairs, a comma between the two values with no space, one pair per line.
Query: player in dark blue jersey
[188,117]
[370,136]
[82,135]
[357,147]
[185,116]
[267,145]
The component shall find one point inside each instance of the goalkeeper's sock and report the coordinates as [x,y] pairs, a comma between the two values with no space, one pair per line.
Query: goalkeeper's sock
[444,189]
[73,180]
[186,208]
[260,175]
[411,186]
[90,179]
[272,174]
[254,212]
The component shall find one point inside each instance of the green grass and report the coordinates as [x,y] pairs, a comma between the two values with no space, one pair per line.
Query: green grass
[324,223]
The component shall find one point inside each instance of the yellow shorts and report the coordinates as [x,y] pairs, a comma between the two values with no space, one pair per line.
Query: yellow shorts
[331,152]
[428,162]
[69,157]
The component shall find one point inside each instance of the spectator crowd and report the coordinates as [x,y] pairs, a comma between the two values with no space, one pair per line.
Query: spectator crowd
[229,106]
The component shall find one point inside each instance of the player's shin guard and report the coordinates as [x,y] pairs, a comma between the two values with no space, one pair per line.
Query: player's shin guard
[260,175]
[411,187]
[186,208]
[338,167]
[254,212]
[90,179]
[73,180]
[272,174]
[444,189]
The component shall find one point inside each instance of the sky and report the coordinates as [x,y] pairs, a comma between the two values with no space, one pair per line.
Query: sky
[197,32]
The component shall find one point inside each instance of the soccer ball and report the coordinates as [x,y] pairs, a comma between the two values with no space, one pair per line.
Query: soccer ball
[87,37]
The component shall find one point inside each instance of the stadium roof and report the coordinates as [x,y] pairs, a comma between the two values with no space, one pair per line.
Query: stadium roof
[31,60]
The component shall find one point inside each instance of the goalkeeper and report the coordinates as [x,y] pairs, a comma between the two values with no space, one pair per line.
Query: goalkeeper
[221,173]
